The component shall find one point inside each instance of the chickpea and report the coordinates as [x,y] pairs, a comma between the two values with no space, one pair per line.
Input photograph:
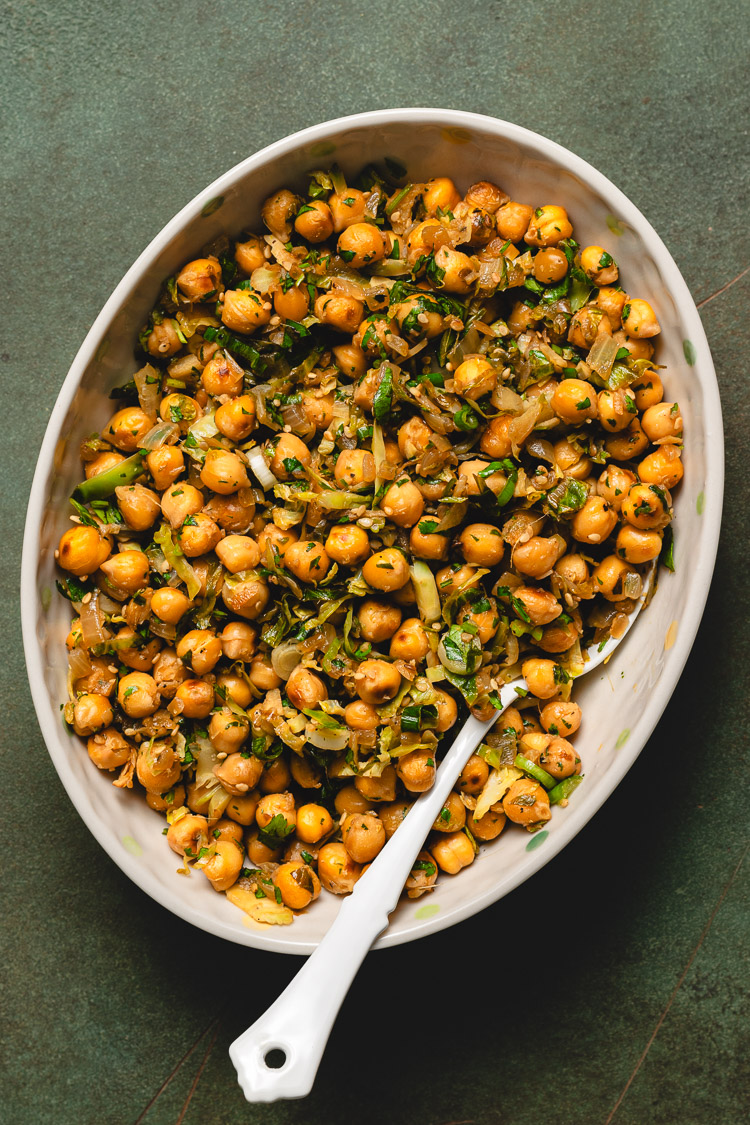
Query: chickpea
[646,507]
[627,444]
[540,605]
[223,868]
[363,836]
[662,421]
[137,653]
[307,773]
[361,244]
[378,621]
[548,226]
[194,699]
[422,876]
[138,694]
[169,605]
[611,302]
[227,830]
[258,852]
[223,472]
[126,572]
[347,208]
[343,314]
[540,678]
[198,535]
[410,641]
[485,621]
[157,767]
[488,827]
[386,570]
[518,806]
[238,552]
[314,222]
[571,460]
[181,410]
[91,713]
[572,568]
[250,255]
[276,804]
[307,561]
[639,319]
[561,718]
[595,521]
[575,401]
[452,816]
[102,462]
[222,376]
[139,506]
[417,770]
[82,550]
[163,340]
[536,557]
[288,447]
[458,272]
[241,809]
[199,650]
[377,789]
[108,749]
[447,711]
[238,772]
[244,310]
[473,776]
[188,835]
[305,688]
[440,194]
[262,675]
[354,469]
[418,317]
[559,637]
[361,716]
[392,815]
[587,325]
[294,304]
[278,540]
[614,484]
[560,759]
[486,195]
[482,544]
[663,467]
[474,377]
[637,546]
[200,279]
[427,545]
[350,359]
[599,266]
[495,440]
[313,823]
[421,240]
[180,502]
[169,672]
[350,800]
[513,220]
[403,503]
[247,598]
[318,409]
[165,465]
[376,681]
[648,391]
[236,419]
[337,870]
[455,577]
[238,640]
[276,777]
[297,883]
[452,851]
[228,732]
[415,437]
[126,428]
[550,265]
[616,409]
[347,544]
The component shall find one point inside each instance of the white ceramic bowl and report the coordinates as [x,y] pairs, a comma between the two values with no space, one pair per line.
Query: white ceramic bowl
[621,705]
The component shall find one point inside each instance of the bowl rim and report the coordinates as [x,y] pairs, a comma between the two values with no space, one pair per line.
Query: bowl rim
[702,562]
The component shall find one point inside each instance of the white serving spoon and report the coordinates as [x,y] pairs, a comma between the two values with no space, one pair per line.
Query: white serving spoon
[278,1057]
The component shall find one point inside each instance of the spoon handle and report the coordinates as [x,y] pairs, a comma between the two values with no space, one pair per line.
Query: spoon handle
[299,1022]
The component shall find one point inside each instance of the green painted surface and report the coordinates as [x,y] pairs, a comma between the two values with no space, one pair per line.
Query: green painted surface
[113,1010]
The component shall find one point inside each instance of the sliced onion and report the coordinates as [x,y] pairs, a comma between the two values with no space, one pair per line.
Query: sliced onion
[507,400]
[349,287]
[204,428]
[632,585]
[327,739]
[521,427]
[285,658]
[79,663]
[257,463]
[295,417]
[541,448]
[265,278]
[148,382]
[163,433]
[93,625]
[425,588]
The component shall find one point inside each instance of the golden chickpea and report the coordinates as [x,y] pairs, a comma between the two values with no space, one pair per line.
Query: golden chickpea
[188,835]
[223,868]
[91,713]
[363,836]
[314,222]
[102,462]
[258,852]
[417,770]
[628,444]
[313,823]
[376,681]
[422,876]
[168,672]
[238,772]
[108,749]
[165,465]
[536,557]
[637,546]
[560,759]
[343,314]
[126,571]
[611,302]
[179,502]
[198,535]
[245,311]
[485,621]
[181,410]
[139,506]
[361,244]
[318,409]
[441,194]
[526,803]
[550,265]
[486,195]
[278,212]
[307,561]
[513,220]
[194,699]
[575,401]
[458,272]
[662,421]
[227,830]
[238,640]
[297,883]
[337,871]
[199,650]
[377,789]
[350,359]
[294,304]
[639,319]
[278,540]
[235,689]
[607,578]
[305,689]
[157,767]
[354,469]
[447,711]
[392,815]
[222,376]
[262,675]
[138,694]
[646,507]
[247,598]
[482,544]
[452,852]
[418,317]
[350,800]
[238,552]
[200,279]
[648,391]
[410,641]
[415,436]
[403,503]
[663,467]
[126,428]
[288,447]
[223,472]
[276,804]
[82,550]
[347,544]
[614,484]
[572,568]
[242,809]
[559,637]
[361,716]
[347,208]
[250,255]
[616,409]
[452,816]
[137,653]
[488,827]
[163,340]
[540,605]
[307,773]
[561,718]
[595,521]
[495,440]
[540,677]
[228,731]
[169,605]
[386,570]
[378,621]
[548,226]
[455,577]
[421,240]
[571,460]
[427,545]
[276,777]
[598,265]
[474,377]
[236,419]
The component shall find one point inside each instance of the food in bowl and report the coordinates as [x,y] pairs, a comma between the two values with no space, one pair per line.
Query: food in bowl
[379,461]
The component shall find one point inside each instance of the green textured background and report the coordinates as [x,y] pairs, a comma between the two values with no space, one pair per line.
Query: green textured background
[614,985]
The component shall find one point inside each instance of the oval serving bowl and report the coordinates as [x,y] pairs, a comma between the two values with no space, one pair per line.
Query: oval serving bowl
[622,704]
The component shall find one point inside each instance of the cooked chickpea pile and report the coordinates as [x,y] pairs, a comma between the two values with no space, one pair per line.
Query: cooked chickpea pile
[385,458]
